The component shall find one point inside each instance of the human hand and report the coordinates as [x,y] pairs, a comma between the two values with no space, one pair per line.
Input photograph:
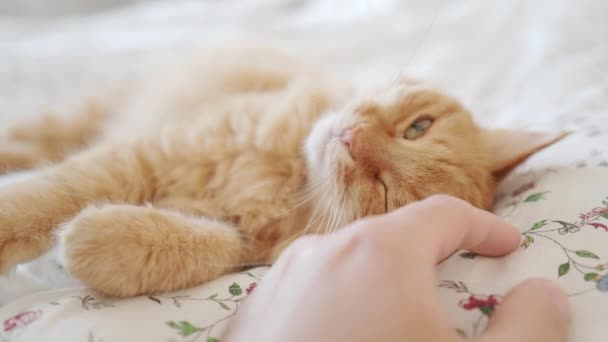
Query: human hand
[321,287]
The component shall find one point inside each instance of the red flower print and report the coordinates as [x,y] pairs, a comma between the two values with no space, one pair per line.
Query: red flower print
[21,320]
[599,225]
[587,218]
[250,288]
[485,304]
[594,213]
[600,211]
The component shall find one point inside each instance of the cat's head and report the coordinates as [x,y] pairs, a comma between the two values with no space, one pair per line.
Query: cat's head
[406,143]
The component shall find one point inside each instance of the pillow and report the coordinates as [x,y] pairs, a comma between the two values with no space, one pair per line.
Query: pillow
[198,314]
[563,216]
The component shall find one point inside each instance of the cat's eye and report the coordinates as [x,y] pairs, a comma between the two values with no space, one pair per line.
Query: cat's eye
[417,129]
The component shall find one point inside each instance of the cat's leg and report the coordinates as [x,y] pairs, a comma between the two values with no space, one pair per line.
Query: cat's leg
[18,156]
[31,208]
[127,250]
[49,137]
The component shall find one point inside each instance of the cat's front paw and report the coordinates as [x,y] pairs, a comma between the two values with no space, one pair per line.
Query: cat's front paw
[16,156]
[90,250]
[9,256]
[32,205]
[120,250]
[17,244]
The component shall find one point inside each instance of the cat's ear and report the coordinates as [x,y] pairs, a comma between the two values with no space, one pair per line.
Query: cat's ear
[508,148]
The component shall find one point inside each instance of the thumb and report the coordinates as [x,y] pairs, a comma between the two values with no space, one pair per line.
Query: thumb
[534,311]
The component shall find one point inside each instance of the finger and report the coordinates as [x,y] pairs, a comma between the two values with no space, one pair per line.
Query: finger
[301,248]
[444,224]
[274,285]
[535,311]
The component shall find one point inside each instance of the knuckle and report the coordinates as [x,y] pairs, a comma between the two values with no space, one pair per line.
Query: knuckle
[298,251]
[302,243]
[443,201]
[446,205]
[363,240]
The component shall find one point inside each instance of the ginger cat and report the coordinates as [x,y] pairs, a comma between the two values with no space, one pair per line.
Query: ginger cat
[177,182]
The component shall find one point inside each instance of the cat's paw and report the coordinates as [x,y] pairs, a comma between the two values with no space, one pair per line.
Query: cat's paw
[15,245]
[31,206]
[119,250]
[16,248]
[89,249]
[8,257]
[17,156]
[126,250]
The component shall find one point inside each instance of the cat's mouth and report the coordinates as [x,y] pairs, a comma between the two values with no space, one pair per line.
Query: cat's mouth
[336,150]
[379,180]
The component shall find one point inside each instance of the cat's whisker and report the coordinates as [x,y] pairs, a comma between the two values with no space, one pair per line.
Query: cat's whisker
[300,204]
[335,218]
[240,265]
[311,222]
[312,187]
[331,219]
[341,205]
[320,216]
[305,231]
[331,213]
[322,226]
[303,201]
[318,220]
[313,190]
[335,224]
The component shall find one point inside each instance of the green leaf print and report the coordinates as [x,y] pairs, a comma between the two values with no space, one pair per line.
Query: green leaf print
[586,254]
[539,224]
[235,289]
[185,328]
[486,310]
[591,276]
[536,197]
[527,241]
[563,269]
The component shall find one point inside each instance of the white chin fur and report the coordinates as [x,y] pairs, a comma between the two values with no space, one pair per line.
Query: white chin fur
[316,144]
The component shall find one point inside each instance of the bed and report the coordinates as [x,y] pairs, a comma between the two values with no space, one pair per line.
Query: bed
[518,64]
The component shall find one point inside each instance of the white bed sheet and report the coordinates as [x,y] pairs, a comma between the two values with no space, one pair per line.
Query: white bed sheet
[517,63]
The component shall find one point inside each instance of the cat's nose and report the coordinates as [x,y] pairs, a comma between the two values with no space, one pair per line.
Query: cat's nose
[348,135]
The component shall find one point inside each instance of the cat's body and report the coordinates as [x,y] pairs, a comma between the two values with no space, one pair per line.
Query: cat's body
[175,183]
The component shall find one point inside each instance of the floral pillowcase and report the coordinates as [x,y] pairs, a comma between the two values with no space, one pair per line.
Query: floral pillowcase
[562,213]
[563,217]
[199,314]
